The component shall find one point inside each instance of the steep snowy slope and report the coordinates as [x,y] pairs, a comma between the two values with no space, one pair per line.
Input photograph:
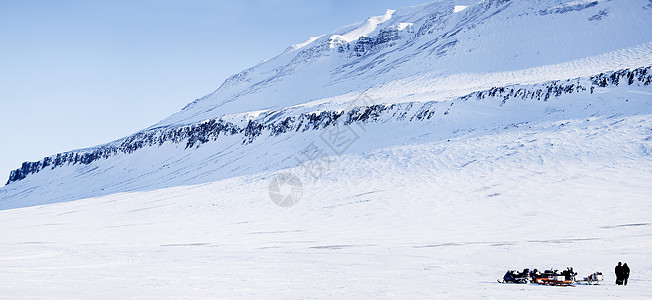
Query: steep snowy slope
[248,144]
[415,53]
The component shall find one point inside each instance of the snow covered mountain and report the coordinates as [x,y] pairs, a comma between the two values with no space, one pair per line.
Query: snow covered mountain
[466,135]
[416,53]
[428,55]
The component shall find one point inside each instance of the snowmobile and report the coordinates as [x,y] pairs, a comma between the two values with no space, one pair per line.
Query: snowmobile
[554,277]
[593,279]
[513,276]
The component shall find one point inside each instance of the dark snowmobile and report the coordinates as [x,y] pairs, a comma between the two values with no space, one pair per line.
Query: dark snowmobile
[513,276]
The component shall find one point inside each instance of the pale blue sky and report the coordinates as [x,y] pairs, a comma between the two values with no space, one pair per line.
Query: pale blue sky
[77,73]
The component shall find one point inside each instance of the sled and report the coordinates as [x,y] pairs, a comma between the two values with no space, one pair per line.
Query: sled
[593,279]
[555,280]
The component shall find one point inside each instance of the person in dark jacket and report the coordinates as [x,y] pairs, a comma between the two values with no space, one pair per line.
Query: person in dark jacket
[569,274]
[625,273]
[509,277]
[619,273]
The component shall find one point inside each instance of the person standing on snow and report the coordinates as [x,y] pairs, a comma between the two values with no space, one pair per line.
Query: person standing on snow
[625,273]
[619,273]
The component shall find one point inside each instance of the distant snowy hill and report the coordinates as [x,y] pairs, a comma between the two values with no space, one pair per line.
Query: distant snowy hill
[430,149]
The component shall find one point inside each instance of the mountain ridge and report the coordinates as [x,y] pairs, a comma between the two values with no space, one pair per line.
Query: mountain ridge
[246,128]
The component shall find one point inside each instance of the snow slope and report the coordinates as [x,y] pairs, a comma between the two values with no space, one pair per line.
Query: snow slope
[243,145]
[490,43]
[474,137]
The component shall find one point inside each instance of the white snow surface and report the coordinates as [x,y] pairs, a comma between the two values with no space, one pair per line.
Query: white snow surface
[459,8]
[434,208]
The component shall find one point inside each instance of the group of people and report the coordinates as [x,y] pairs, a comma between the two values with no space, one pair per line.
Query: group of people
[622,273]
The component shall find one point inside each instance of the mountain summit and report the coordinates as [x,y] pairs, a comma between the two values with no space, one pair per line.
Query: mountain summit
[416,53]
